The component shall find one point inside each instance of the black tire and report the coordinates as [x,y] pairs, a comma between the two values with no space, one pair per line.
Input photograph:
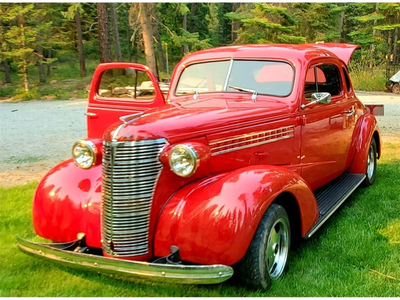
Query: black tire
[266,257]
[396,88]
[371,164]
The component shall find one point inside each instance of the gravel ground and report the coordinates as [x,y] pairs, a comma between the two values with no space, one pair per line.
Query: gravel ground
[36,135]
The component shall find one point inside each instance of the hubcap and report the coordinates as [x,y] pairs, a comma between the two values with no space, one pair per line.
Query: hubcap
[277,248]
[371,162]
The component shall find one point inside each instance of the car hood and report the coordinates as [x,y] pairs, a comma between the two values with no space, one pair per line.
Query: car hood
[178,122]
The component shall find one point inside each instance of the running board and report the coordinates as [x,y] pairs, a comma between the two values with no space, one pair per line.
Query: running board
[331,196]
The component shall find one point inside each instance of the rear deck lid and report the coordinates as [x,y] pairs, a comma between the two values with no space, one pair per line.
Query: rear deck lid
[343,51]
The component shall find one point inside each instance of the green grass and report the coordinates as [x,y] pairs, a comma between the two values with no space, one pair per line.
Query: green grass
[364,80]
[356,253]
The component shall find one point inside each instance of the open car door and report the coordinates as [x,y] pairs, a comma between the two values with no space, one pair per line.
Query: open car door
[119,89]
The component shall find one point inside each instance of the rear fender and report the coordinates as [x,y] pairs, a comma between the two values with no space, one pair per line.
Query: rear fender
[214,220]
[369,129]
[67,202]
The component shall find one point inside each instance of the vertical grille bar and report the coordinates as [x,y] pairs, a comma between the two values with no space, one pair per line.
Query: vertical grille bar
[130,172]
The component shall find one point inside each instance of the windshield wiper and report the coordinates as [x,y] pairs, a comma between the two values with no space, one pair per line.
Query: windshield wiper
[240,89]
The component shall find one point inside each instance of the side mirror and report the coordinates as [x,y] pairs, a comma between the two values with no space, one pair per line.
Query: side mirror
[318,98]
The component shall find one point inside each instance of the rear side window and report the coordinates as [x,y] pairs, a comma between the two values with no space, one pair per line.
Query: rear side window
[126,84]
[323,78]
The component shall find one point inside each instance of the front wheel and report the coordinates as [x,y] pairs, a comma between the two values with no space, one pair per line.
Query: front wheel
[266,258]
[371,164]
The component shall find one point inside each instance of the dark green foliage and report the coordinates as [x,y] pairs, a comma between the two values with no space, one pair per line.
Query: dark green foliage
[50,28]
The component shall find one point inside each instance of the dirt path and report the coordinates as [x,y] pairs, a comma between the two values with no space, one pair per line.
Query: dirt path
[36,135]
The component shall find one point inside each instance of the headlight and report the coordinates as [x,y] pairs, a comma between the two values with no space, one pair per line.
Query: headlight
[183,160]
[84,154]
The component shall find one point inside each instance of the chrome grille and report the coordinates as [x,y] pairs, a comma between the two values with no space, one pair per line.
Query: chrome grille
[130,172]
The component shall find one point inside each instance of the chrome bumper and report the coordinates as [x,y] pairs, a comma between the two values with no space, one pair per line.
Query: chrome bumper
[126,269]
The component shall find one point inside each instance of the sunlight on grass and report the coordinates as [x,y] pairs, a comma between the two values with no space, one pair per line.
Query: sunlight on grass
[392,232]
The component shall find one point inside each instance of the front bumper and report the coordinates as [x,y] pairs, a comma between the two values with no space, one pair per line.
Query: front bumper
[63,253]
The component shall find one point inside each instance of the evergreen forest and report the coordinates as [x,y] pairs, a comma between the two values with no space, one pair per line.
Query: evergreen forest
[36,39]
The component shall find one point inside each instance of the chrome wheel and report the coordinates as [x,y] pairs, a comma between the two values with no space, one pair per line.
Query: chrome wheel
[371,161]
[267,255]
[277,248]
[371,164]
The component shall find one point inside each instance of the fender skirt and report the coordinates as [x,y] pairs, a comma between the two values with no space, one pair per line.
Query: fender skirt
[69,255]
[214,220]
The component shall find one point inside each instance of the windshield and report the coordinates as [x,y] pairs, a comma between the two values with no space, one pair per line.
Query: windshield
[263,77]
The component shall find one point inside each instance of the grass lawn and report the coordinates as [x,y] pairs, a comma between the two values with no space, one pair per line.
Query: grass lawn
[355,254]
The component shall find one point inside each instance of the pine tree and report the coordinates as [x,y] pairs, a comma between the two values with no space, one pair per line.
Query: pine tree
[74,13]
[265,23]
[20,37]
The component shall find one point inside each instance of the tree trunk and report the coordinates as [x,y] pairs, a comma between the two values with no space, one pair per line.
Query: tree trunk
[341,24]
[39,49]
[129,48]
[372,47]
[82,65]
[42,74]
[104,42]
[24,65]
[160,50]
[192,26]
[389,55]
[7,71]
[147,31]
[235,25]
[184,26]
[157,36]
[49,54]
[117,44]
[395,46]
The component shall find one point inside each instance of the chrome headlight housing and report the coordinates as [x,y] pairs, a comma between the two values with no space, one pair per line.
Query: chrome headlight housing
[183,160]
[84,154]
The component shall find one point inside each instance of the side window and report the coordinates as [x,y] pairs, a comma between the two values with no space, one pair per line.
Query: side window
[127,84]
[346,77]
[322,78]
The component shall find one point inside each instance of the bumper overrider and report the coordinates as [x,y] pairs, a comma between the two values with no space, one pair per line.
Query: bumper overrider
[68,254]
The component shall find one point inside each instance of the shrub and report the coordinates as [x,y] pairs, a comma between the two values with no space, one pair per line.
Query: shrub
[365,80]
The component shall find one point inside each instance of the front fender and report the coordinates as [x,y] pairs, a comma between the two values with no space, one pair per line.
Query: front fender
[67,202]
[214,220]
[369,129]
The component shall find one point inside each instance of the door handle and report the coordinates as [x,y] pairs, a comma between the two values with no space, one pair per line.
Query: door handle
[349,112]
[91,115]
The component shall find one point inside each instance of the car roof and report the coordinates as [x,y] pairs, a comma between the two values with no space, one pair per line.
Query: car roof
[289,52]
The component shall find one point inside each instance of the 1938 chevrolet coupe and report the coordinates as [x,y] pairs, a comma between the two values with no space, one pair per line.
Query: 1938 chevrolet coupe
[250,147]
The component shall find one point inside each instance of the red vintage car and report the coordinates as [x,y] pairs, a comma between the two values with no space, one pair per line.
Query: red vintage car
[250,147]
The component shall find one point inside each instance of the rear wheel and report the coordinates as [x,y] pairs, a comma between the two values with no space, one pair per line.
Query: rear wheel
[371,164]
[396,88]
[266,258]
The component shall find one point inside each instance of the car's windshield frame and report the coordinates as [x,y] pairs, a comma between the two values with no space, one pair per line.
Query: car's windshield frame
[230,75]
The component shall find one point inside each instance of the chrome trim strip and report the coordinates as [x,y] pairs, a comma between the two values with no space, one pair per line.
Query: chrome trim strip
[126,269]
[227,75]
[248,140]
